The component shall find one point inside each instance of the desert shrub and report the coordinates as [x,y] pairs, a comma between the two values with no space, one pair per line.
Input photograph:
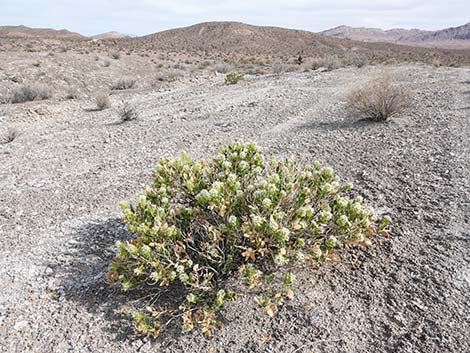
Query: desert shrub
[123,83]
[378,99]
[168,76]
[204,65]
[292,68]
[115,55]
[223,68]
[9,136]
[102,101]
[127,112]
[279,68]
[28,93]
[204,225]
[4,99]
[357,60]
[72,93]
[234,77]
[106,63]
[316,63]
[436,62]
[331,63]
[389,61]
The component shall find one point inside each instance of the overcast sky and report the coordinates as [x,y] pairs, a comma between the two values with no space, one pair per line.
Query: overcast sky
[148,16]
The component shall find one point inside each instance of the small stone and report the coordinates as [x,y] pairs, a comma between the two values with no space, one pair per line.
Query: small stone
[20,325]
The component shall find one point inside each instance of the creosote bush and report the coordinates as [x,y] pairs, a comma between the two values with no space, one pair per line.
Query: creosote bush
[234,77]
[223,68]
[9,136]
[124,83]
[28,93]
[115,55]
[332,63]
[378,99]
[234,217]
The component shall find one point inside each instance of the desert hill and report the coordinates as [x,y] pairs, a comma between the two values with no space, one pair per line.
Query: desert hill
[231,40]
[244,39]
[371,34]
[454,37]
[236,36]
[27,32]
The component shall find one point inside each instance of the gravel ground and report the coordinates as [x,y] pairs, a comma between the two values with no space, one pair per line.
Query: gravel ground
[62,179]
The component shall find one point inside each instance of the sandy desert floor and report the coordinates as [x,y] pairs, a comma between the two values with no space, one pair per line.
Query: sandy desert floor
[62,179]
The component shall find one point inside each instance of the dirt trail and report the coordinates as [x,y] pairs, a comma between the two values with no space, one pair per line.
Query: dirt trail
[61,182]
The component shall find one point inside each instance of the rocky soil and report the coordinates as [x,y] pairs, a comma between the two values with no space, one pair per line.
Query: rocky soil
[62,179]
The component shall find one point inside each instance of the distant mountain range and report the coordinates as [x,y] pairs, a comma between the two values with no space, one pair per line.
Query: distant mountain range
[109,35]
[233,36]
[454,37]
[27,32]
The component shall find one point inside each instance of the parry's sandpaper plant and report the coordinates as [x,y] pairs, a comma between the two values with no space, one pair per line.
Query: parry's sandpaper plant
[233,217]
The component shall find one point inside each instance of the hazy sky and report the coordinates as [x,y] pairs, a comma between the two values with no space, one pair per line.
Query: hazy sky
[148,16]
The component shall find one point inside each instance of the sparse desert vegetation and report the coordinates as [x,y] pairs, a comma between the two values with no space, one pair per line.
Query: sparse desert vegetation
[9,136]
[234,77]
[29,93]
[124,83]
[102,101]
[115,55]
[378,99]
[127,111]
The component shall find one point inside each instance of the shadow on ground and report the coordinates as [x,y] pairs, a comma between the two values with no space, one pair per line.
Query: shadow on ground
[83,280]
[82,277]
[340,124]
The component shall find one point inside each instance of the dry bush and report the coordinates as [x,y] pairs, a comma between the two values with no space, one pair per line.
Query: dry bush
[124,83]
[223,68]
[9,136]
[378,99]
[279,68]
[436,62]
[168,76]
[115,55]
[102,101]
[332,63]
[292,68]
[316,63]
[357,60]
[28,93]
[4,99]
[204,65]
[127,112]
[106,63]
[72,93]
